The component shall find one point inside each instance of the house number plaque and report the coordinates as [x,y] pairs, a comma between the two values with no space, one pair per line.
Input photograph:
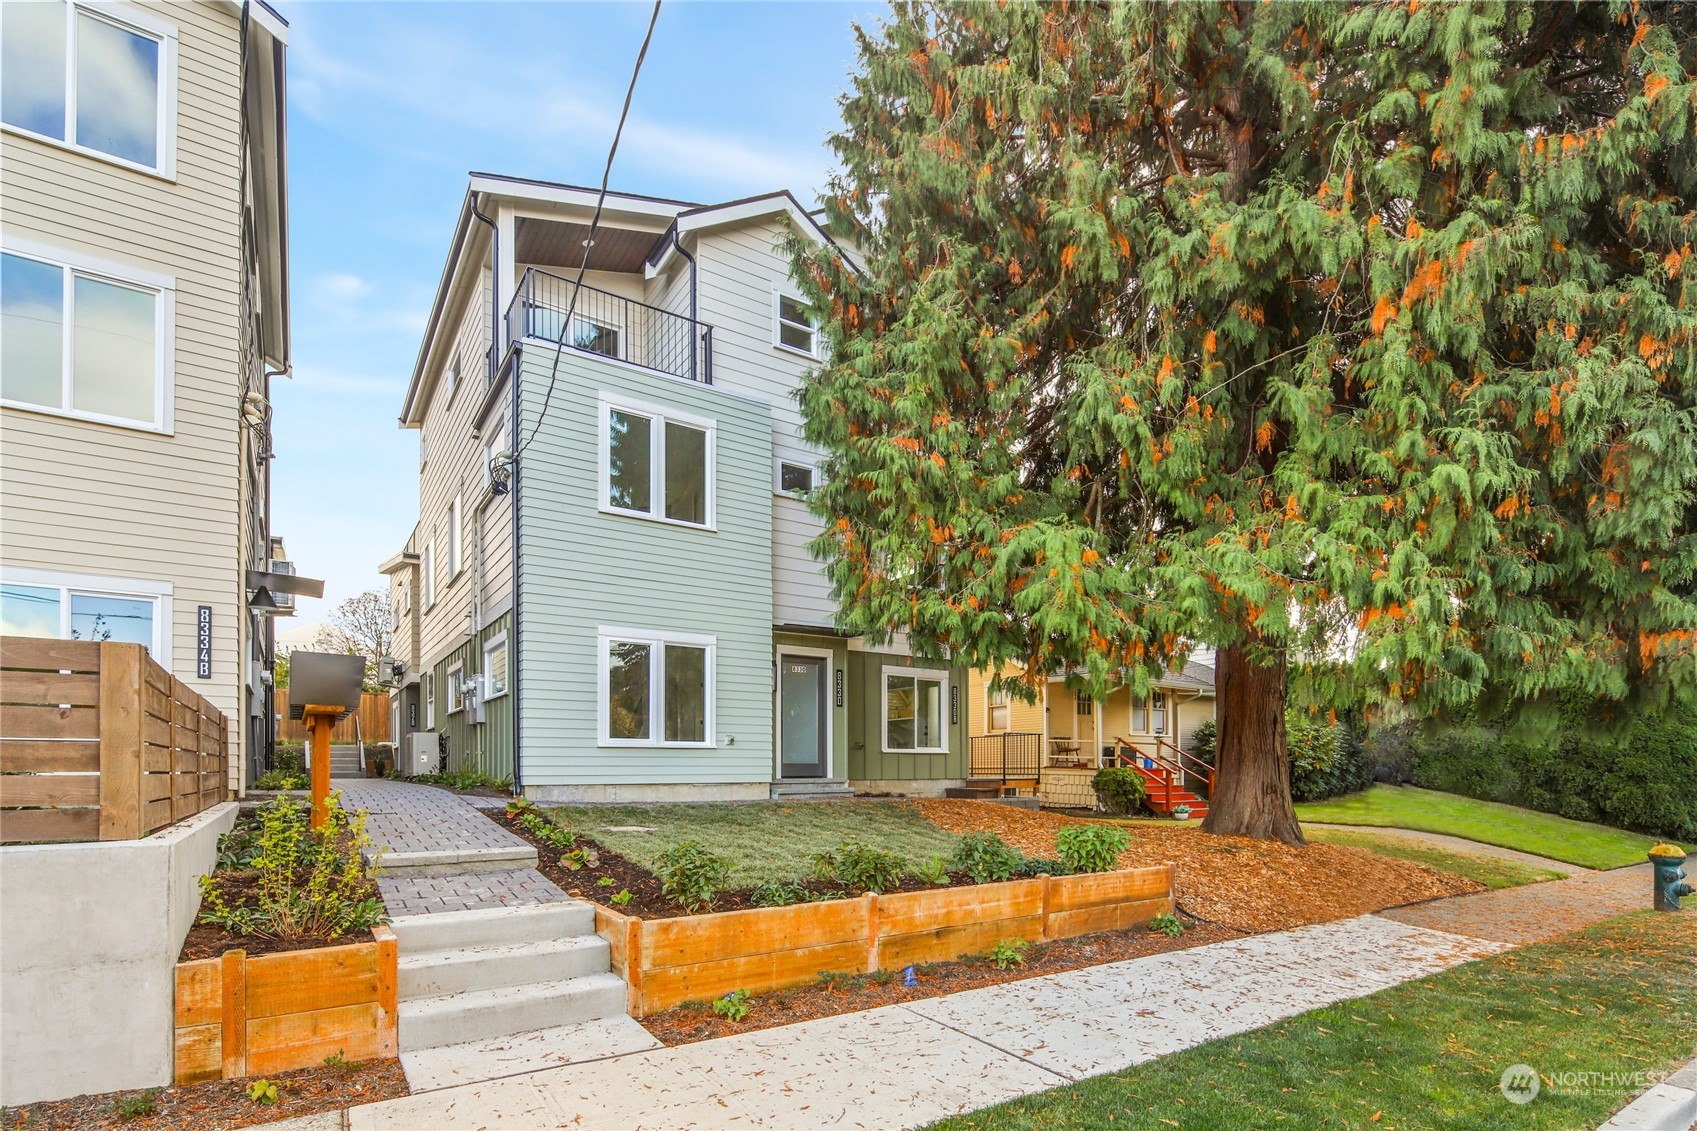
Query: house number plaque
[203,642]
[839,682]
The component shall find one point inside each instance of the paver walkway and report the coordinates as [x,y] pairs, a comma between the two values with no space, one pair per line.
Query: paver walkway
[1460,844]
[441,853]
[910,1064]
[1534,912]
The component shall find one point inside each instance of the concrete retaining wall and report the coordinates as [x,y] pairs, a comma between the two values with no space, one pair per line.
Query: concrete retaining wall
[89,936]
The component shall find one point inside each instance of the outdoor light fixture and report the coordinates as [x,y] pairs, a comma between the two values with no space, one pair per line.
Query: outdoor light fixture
[500,473]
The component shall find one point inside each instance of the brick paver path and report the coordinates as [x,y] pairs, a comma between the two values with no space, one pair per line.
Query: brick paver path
[1534,912]
[404,817]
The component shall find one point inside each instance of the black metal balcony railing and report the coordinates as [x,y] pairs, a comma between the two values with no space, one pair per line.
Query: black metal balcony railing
[1011,756]
[610,325]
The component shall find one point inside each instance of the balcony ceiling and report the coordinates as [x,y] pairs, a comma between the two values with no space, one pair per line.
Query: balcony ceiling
[548,243]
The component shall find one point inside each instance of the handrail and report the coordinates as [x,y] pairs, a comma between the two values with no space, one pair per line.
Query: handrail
[611,325]
[1165,764]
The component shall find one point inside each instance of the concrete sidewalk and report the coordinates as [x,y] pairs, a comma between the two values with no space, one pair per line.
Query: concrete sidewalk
[911,1064]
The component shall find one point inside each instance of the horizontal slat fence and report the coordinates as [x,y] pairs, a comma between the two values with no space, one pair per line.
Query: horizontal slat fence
[98,742]
[373,720]
[666,962]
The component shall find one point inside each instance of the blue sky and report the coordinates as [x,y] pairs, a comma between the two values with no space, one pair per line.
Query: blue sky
[391,104]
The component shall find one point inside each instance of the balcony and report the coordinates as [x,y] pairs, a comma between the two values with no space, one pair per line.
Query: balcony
[610,325]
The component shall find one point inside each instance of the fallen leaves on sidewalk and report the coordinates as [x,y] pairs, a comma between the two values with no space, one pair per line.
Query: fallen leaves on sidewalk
[1251,885]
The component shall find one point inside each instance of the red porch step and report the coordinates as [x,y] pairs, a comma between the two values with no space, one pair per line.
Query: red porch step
[1164,801]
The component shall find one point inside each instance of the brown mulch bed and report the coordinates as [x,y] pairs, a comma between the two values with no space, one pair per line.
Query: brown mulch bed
[647,902]
[698,1022]
[1250,885]
[218,1105]
[206,941]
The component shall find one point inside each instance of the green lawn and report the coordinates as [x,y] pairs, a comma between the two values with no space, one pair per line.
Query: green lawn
[1427,1054]
[765,841]
[1542,834]
[1488,870]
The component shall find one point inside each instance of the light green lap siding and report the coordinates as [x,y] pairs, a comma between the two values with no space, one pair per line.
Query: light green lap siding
[485,747]
[868,760]
[582,569]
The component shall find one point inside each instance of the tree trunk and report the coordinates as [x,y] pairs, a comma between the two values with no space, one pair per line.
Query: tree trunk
[1251,762]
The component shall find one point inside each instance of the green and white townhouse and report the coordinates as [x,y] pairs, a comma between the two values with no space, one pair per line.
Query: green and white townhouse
[609,595]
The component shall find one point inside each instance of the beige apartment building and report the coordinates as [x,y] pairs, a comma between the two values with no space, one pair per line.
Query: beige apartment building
[143,313]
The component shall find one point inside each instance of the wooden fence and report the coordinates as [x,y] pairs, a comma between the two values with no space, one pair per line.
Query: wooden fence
[98,742]
[697,957]
[373,720]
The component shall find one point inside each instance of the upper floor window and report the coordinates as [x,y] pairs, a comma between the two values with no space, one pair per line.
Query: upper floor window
[427,575]
[656,463]
[454,538]
[1000,704]
[97,78]
[793,478]
[83,342]
[794,327]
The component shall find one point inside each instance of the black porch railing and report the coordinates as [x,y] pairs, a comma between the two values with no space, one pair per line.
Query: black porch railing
[610,325]
[1013,756]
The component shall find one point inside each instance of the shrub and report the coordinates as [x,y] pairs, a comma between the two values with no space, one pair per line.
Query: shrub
[1168,924]
[933,870]
[289,758]
[778,893]
[1202,740]
[1119,789]
[733,1006]
[463,779]
[985,857]
[860,867]
[1092,848]
[1034,866]
[135,1105]
[691,876]
[285,880]
[1009,952]
[1325,758]
[281,779]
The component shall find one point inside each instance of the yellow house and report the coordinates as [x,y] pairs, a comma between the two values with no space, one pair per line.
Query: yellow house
[1053,746]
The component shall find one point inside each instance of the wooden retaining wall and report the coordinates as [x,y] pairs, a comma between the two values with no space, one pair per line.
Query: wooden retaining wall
[98,742]
[666,962]
[240,1016]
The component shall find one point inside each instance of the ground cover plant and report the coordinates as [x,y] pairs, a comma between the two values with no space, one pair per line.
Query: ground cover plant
[1542,834]
[279,884]
[1492,871]
[1428,1053]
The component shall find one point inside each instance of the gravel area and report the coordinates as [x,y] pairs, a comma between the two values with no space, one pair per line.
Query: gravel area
[1250,885]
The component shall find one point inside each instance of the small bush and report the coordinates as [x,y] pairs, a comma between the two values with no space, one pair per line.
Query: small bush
[1168,924]
[463,779]
[986,857]
[1009,952]
[1092,848]
[1035,866]
[1203,739]
[262,1092]
[691,876]
[289,758]
[282,779]
[860,867]
[1326,759]
[136,1104]
[778,893]
[733,1006]
[1119,789]
[934,870]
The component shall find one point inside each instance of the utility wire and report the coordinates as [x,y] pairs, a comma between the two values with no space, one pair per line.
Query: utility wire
[588,244]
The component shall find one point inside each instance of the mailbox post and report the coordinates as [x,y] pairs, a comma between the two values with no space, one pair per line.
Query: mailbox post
[325,686]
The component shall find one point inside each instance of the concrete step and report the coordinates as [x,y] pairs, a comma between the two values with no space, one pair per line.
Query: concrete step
[457,861]
[472,1062]
[810,789]
[493,926]
[476,1015]
[438,972]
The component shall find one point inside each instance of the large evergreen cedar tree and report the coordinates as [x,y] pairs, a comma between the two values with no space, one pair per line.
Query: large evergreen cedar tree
[1353,340]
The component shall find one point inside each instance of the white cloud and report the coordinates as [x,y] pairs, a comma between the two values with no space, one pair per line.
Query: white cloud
[336,381]
[341,287]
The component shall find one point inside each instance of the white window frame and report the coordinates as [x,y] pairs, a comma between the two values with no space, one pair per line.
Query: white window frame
[164,288]
[456,687]
[778,465]
[779,322]
[451,377]
[427,576]
[144,24]
[994,699]
[658,417]
[657,640]
[938,674]
[1164,711]
[456,538]
[498,642]
[95,585]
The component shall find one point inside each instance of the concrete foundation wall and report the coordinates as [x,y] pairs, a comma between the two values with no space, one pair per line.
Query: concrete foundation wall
[655,792]
[89,936]
[906,787]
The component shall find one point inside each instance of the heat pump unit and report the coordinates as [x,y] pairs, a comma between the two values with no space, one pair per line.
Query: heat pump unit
[424,751]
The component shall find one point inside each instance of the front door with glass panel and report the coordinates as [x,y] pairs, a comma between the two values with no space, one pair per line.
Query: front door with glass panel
[802,716]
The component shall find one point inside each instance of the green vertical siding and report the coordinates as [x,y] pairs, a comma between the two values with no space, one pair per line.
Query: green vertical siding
[485,747]
[581,569]
[868,760]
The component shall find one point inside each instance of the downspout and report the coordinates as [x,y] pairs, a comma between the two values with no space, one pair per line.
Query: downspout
[695,344]
[513,652]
